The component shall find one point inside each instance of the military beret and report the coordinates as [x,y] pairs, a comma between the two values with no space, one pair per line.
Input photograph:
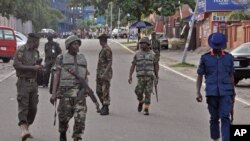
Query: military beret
[33,35]
[103,36]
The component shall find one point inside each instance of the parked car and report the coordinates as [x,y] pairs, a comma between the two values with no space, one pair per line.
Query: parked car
[241,62]
[46,31]
[121,33]
[162,38]
[7,43]
[21,39]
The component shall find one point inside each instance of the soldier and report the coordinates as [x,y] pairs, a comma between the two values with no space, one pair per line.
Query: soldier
[27,88]
[70,104]
[104,74]
[156,47]
[146,69]
[51,50]
[217,66]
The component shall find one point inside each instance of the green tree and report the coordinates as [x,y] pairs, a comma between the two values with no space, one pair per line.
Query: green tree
[7,7]
[238,15]
[38,11]
[136,8]
[242,14]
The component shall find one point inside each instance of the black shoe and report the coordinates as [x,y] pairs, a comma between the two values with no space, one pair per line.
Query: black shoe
[140,107]
[105,110]
[146,112]
[63,136]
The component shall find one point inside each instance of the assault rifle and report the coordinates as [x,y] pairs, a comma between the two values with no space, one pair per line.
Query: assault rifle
[84,86]
[156,90]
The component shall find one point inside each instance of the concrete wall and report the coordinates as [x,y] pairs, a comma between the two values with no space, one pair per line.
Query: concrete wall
[17,24]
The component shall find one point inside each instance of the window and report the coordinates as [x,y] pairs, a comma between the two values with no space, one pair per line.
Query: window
[6,34]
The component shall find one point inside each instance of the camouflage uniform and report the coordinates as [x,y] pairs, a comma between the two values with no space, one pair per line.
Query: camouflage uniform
[103,84]
[27,88]
[155,45]
[70,105]
[144,61]
[51,50]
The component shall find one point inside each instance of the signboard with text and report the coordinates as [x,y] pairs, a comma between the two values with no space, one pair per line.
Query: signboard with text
[220,5]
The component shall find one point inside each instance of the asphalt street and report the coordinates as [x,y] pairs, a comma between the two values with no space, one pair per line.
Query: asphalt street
[176,117]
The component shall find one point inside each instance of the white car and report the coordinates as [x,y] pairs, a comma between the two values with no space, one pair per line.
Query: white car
[21,39]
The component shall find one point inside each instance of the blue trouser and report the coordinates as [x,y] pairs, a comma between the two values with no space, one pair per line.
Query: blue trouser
[220,107]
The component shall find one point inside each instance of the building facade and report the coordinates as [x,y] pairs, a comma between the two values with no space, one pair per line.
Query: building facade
[212,16]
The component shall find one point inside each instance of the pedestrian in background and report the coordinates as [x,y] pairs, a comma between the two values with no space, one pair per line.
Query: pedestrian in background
[51,50]
[146,72]
[104,74]
[25,63]
[65,87]
[217,67]
[156,47]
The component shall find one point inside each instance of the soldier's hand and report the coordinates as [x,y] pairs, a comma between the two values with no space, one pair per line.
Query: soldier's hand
[199,97]
[97,107]
[130,80]
[38,67]
[52,99]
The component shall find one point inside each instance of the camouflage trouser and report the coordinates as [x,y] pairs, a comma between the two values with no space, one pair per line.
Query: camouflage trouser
[144,86]
[47,73]
[157,57]
[27,98]
[72,107]
[102,90]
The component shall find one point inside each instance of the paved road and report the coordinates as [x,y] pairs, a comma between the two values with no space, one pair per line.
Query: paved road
[177,117]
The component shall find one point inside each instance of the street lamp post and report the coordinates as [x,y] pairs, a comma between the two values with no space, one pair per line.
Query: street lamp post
[128,27]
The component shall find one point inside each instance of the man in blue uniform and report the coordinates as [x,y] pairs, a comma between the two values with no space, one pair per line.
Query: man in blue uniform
[217,66]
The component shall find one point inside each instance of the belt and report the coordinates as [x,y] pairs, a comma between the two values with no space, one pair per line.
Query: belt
[31,80]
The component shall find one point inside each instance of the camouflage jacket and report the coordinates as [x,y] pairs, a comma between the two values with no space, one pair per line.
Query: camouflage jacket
[105,57]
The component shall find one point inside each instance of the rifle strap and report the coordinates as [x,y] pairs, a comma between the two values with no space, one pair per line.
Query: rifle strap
[75,64]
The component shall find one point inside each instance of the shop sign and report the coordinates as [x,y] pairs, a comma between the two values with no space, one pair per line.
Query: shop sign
[219,16]
[220,5]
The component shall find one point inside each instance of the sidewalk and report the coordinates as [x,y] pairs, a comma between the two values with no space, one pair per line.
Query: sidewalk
[172,56]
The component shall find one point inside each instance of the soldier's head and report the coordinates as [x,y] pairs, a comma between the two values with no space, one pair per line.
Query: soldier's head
[103,39]
[153,35]
[50,37]
[144,43]
[72,44]
[33,40]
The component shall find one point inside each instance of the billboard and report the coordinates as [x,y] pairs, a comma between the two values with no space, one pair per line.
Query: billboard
[220,5]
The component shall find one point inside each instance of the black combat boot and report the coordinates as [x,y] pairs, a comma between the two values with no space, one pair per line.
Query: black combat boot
[146,112]
[105,110]
[140,107]
[63,136]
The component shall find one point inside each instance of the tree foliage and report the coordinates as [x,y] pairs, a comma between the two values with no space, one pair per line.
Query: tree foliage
[136,8]
[7,7]
[37,11]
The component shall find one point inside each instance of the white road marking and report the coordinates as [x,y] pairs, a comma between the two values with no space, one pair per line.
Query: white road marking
[181,74]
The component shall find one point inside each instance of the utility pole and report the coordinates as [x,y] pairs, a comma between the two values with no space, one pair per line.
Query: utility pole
[118,22]
[189,33]
[111,11]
